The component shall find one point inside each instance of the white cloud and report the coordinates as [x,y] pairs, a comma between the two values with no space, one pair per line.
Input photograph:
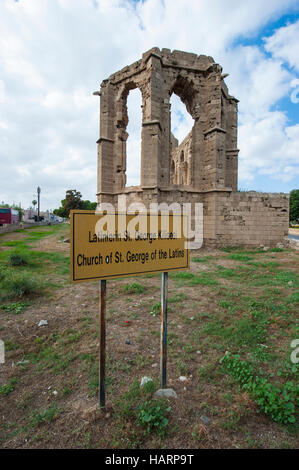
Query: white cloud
[284,44]
[269,147]
[55,53]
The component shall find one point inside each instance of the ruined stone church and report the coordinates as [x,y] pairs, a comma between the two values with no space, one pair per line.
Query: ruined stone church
[204,167]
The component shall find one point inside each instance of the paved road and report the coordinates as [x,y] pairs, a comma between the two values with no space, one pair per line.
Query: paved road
[294,237]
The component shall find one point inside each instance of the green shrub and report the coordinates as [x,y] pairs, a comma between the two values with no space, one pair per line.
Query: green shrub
[22,284]
[18,259]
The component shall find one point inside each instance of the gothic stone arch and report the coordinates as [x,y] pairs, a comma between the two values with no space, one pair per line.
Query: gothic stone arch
[198,82]
[209,171]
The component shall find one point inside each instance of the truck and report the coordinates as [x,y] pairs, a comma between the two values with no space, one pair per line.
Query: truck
[8,216]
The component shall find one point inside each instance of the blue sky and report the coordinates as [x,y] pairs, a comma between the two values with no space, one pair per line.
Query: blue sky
[55,53]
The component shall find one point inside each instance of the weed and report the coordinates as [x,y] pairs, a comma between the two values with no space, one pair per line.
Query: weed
[231,422]
[156,309]
[15,307]
[152,416]
[11,345]
[66,391]
[44,416]
[182,367]
[7,388]
[278,401]
[24,401]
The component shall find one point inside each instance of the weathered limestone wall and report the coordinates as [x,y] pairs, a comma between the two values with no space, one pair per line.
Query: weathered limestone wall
[181,168]
[251,218]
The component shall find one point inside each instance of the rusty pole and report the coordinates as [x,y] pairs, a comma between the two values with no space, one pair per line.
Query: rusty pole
[102,365]
[163,356]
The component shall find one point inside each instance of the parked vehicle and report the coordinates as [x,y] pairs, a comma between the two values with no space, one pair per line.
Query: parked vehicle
[8,216]
[38,219]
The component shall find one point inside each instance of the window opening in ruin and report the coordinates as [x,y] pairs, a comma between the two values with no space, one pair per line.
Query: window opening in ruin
[181,148]
[181,121]
[133,147]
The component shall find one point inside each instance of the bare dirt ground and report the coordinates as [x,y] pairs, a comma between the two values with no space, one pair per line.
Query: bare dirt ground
[54,401]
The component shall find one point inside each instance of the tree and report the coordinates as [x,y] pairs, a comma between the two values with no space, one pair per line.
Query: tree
[294,205]
[34,202]
[20,211]
[73,200]
[89,206]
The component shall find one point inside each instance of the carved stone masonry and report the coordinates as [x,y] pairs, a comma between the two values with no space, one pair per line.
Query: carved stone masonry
[204,167]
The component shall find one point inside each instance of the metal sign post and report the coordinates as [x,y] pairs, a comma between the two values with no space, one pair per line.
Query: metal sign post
[102,256]
[102,365]
[163,355]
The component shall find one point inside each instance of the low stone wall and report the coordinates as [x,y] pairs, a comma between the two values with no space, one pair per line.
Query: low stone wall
[13,227]
[251,218]
[229,218]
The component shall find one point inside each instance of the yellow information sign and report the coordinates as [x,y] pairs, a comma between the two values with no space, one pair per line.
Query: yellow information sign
[114,245]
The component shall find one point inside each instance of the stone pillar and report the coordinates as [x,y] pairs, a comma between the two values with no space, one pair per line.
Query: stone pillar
[150,153]
[106,141]
[231,177]
[152,165]
[213,165]
[214,168]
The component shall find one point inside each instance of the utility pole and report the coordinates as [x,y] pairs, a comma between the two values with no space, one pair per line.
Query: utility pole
[38,202]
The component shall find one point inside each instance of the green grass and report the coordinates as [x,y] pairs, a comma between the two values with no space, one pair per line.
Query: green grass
[179,297]
[202,259]
[25,272]
[16,244]
[204,279]
[134,288]
[52,354]
[240,257]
